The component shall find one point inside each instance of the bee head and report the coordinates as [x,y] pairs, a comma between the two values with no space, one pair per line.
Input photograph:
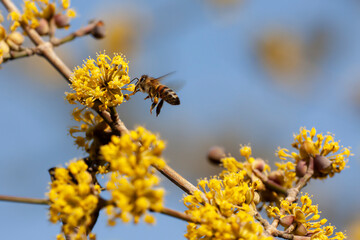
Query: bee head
[139,82]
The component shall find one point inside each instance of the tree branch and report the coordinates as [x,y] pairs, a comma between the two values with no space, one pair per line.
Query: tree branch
[24,200]
[79,33]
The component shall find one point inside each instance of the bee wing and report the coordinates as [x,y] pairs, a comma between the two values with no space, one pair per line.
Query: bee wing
[163,76]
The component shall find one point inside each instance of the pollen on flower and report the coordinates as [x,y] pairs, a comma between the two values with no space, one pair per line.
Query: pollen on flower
[131,178]
[101,80]
[73,198]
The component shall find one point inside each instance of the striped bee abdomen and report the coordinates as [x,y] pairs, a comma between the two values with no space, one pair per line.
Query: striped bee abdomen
[168,95]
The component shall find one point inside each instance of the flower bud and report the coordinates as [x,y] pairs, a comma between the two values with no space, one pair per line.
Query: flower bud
[256,198]
[277,177]
[287,221]
[249,196]
[4,47]
[15,38]
[258,164]
[215,154]
[322,164]
[99,31]
[302,152]
[301,168]
[43,28]
[61,20]
[49,11]
[300,230]
[310,148]
[2,33]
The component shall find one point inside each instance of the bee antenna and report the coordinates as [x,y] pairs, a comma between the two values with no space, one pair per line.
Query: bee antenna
[134,80]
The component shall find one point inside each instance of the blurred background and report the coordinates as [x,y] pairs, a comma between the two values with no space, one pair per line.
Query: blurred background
[251,72]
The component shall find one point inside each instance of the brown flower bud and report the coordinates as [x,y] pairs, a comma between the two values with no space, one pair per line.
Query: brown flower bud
[43,28]
[300,230]
[99,31]
[301,168]
[258,164]
[286,221]
[215,154]
[15,38]
[322,164]
[61,20]
[277,177]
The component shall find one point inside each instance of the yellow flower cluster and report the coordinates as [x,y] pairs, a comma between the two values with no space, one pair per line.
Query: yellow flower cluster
[34,10]
[227,210]
[94,128]
[304,220]
[251,163]
[132,179]
[247,167]
[102,80]
[73,198]
[329,157]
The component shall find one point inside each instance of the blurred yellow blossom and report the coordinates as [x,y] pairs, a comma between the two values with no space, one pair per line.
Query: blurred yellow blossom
[73,198]
[102,79]
[132,178]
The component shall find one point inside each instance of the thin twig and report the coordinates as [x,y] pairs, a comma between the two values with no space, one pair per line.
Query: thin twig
[12,55]
[24,200]
[177,179]
[270,185]
[176,214]
[79,33]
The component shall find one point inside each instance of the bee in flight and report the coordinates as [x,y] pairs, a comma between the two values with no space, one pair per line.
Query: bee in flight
[156,91]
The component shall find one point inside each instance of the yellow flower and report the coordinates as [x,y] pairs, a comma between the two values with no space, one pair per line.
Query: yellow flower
[73,198]
[132,180]
[226,213]
[102,79]
[306,217]
[328,155]
[94,129]
[245,151]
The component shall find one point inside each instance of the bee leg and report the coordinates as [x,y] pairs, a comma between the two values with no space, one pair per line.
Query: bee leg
[159,106]
[147,97]
[153,105]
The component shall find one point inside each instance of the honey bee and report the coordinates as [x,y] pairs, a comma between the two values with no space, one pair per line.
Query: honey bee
[156,91]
